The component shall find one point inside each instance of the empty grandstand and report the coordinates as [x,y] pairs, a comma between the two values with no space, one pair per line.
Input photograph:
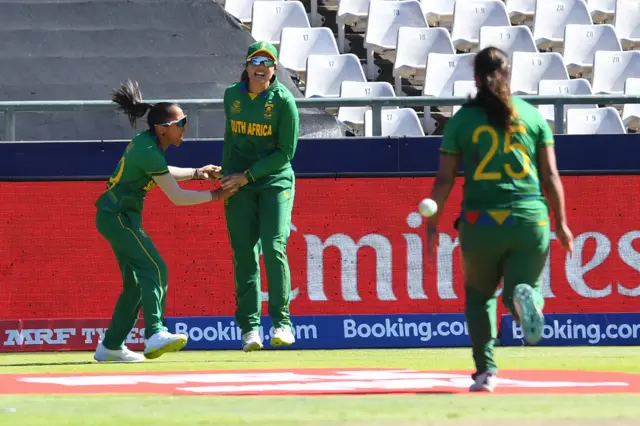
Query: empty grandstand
[67,50]
[426,47]
[80,50]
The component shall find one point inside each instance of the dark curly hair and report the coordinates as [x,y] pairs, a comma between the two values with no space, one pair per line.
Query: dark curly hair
[129,100]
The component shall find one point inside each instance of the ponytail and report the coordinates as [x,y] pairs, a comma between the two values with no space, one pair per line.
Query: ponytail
[494,98]
[129,100]
[494,91]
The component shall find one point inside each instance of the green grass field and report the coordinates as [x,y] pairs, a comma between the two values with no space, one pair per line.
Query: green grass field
[396,410]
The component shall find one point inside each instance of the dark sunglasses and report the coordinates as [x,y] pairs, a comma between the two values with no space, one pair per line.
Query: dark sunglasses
[180,123]
[267,62]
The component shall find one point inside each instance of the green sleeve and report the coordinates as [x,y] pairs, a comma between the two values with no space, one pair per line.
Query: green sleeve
[288,128]
[450,144]
[152,162]
[545,137]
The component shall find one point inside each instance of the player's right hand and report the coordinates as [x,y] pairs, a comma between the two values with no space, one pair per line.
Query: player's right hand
[565,237]
[226,193]
[210,172]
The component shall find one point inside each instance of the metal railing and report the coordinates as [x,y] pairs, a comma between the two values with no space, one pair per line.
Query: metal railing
[194,106]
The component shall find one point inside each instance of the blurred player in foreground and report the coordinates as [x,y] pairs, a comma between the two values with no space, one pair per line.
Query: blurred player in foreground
[259,143]
[118,219]
[507,151]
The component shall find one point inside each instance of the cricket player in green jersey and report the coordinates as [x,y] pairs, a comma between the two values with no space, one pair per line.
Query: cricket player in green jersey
[260,141]
[507,152]
[118,219]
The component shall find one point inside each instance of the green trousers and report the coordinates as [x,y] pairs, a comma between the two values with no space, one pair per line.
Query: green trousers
[259,219]
[513,254]
[144,277]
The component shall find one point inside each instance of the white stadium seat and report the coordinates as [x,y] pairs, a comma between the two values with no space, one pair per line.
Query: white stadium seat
[627,23]
[241,9]
[414,44]
[631,112]
[594,121]
[517,38]
[385,18]
[552,16]
[612,69]
[471,15]
[527,69]
[582,41]
[438,12]
[296,44]
[354,116]
[352,13]
[520,11]
[464,88]
[576,86]
[601,10]
[395,122]
[325,74]
[443,70]
[274,16]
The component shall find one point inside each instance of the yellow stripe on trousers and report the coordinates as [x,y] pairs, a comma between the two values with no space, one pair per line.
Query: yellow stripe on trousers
[148,255]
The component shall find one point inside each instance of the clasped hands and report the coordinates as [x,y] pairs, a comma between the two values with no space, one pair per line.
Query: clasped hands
[230,184]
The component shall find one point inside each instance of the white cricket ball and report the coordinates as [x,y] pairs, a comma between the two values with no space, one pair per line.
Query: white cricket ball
[427,207]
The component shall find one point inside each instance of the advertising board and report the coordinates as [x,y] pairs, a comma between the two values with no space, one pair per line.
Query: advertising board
[357,248]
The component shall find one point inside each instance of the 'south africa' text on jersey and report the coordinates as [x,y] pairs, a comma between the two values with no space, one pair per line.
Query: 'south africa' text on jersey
[253,129]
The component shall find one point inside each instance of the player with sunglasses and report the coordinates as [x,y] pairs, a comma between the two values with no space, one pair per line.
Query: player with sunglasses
[118,219]
[260,141]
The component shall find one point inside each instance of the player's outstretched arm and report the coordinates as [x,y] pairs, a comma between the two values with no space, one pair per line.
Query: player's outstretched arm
[183,173]
[186,197]
[209,172]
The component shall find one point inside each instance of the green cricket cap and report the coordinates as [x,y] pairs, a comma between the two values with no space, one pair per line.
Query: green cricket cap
[262,48]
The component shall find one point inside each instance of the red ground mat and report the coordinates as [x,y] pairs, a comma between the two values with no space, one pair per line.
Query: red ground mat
[316,382]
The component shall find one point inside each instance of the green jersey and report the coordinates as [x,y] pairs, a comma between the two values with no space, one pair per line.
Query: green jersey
[133,177]
[502,185]
[261,132]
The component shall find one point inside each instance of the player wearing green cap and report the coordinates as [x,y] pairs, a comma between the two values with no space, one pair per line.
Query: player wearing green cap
[119,220]
[260,141]
[506,148]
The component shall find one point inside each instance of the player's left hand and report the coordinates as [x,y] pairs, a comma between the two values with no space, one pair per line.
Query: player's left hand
[236,181]
[210,172]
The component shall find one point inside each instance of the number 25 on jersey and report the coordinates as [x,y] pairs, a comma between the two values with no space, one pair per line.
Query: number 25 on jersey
[508,148]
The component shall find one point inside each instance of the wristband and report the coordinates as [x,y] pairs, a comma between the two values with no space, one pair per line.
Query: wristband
[248,175]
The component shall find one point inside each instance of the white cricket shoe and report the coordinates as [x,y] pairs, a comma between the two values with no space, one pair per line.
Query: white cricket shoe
[162,343]
[282,337]
[485,382]
[103,354]
[251,341]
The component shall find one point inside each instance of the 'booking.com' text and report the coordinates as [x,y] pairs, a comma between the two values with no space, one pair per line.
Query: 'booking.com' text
[388,328]
[591,333]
